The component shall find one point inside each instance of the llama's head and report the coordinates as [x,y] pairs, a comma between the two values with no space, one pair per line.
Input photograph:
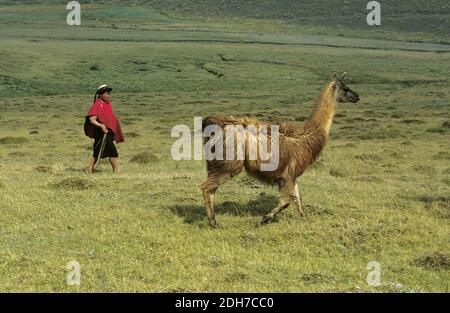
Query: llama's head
[341,92]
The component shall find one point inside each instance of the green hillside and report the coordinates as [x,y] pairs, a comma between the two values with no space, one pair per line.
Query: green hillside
[419,22]
[296,9]
[405,16]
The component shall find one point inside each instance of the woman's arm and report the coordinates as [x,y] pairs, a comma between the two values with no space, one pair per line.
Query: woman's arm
[93,120]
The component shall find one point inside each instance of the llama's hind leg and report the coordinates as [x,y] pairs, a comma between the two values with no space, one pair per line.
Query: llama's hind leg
[286,191]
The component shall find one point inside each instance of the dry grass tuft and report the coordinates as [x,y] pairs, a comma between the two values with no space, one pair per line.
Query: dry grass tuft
[144,158]
[13,140]
[74,183]
[132,135]
[43,169]
[435,260]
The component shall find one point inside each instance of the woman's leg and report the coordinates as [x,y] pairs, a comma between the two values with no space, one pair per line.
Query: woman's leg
[114,164]
[90,167]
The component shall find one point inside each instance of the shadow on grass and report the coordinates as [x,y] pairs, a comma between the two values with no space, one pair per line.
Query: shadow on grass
[193,213]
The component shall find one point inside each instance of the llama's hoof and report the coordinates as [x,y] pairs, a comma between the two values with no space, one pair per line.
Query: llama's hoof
[304,216]
[213,224]
[264,220]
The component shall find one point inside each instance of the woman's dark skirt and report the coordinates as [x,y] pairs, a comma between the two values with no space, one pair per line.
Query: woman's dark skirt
[110,150]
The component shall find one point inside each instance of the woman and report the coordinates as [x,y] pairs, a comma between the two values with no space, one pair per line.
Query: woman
[101,123]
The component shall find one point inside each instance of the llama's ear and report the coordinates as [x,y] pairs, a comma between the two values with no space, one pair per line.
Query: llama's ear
[343,76]
[334,77]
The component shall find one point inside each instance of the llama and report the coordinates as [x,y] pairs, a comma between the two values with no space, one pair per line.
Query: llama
[299,147]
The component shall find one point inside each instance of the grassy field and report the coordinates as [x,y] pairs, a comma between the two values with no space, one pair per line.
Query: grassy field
[379,192]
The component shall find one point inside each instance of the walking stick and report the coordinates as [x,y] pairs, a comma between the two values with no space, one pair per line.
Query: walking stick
[102,148]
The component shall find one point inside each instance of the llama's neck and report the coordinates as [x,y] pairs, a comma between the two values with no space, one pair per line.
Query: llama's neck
[317,128]
[323,113]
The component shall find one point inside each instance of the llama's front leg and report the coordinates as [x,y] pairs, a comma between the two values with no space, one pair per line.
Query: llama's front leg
[298,200]
[285,198]
[284,203]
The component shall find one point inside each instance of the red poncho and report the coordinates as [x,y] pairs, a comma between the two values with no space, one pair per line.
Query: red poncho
[105,114]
